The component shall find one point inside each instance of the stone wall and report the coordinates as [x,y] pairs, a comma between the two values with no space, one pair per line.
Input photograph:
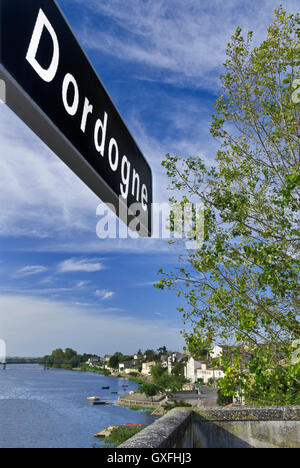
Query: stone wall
[174,430]
[267,427]
[139,400]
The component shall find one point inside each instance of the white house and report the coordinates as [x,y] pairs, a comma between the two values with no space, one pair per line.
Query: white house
[147,367]
[206,373]
[195,370]
[190,369]
[94,360]
[126,366]
[173,358]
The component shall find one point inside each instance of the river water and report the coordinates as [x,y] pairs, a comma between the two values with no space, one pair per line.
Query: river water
[48,409]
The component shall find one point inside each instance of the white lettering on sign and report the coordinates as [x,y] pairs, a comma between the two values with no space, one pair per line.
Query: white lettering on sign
[125,175]
[70,80]
[130,178]
[87,109]
[48,74]
[113,145]
[103,126]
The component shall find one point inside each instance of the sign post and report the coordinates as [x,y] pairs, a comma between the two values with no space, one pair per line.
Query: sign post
[53,88]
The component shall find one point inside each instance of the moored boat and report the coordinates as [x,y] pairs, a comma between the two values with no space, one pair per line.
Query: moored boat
[93,398]
[101,403]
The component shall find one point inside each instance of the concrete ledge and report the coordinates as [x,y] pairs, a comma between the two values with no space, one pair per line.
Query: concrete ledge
[244,413]
[172,430]
[234,427]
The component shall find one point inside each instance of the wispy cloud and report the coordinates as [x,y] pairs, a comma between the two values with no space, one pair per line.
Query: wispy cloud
[146,283]
[45,198]
[82,284]
[104,294]
[181,41]
[54,324]
[31,270]
[73,265]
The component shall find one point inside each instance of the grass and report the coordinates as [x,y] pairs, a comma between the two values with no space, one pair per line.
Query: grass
[87,368]
[121,434]
[177,404]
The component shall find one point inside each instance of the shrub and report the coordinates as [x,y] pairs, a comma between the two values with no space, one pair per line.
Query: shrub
[177,404]
[223,400]
[121,434]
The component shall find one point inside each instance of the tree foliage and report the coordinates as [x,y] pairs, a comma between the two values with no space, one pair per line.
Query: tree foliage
[150,355]
[67,359]
[242,285]
[115,360]
[149,389]
[164,381]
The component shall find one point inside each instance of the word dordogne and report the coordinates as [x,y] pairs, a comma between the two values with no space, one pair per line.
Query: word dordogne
[130,178]
[49,82]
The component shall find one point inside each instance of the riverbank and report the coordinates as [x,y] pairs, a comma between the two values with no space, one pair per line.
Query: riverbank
[40,409]
[140,379]
[135,401]
[139,400]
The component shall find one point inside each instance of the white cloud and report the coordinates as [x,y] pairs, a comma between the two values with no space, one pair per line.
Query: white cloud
[39,195]
[104,294]
[146,283]
[49,203]
[185,40]
[31,270]
[82,284]
[181,39]
[34,327]
[73,265]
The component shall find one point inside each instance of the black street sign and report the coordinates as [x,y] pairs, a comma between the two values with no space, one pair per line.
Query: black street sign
[53,88]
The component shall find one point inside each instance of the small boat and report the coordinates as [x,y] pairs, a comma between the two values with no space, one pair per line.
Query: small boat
[114,393]
[93,398]
[101,403]
[105,388]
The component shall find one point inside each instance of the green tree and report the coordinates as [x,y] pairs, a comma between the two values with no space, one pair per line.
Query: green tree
[178,368]
[70,354]
[67,359]
[174,383]
[242,285]
[150,355]
[223,400]
[115,360]
[157,371]
[162,351]
[150,390]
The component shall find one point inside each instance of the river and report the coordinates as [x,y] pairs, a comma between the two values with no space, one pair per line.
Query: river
[48,409]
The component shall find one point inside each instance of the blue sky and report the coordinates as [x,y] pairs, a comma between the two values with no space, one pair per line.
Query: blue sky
[60,285]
